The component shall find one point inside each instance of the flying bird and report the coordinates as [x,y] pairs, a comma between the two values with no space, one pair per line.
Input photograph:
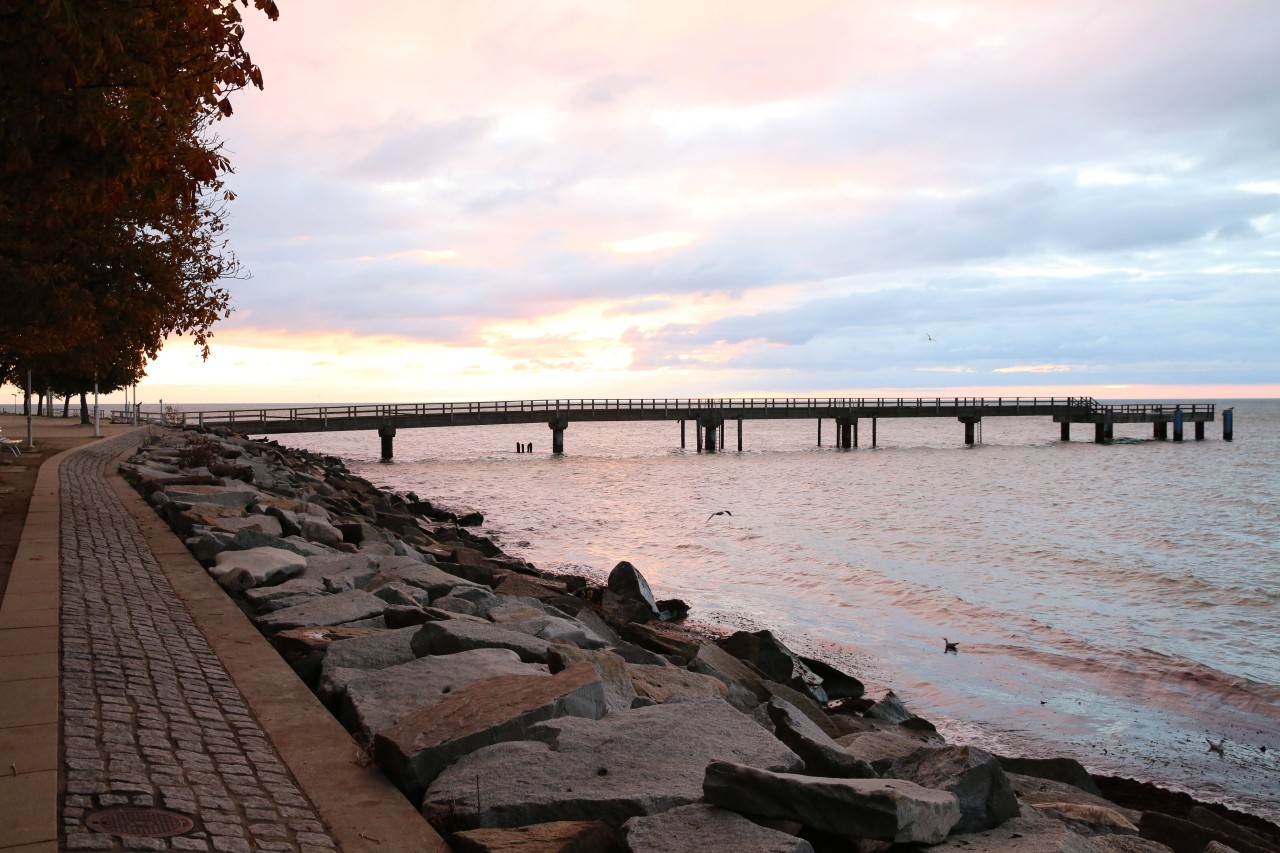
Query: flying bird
[949,647]
[714,514]
[929,336]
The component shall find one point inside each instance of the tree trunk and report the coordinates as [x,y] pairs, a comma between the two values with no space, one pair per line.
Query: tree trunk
[84,408]
[66,406]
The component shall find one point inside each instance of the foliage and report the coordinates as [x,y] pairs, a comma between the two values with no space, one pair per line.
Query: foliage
[199,452]
[111,179]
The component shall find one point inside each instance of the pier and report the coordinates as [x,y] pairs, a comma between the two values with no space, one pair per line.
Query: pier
[709,416]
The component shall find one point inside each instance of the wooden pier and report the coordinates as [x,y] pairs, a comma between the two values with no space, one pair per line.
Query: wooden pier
[710,415]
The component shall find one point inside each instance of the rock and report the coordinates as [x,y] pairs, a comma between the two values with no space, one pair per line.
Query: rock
[836,684]
[559,629]
[330,565]
[257,522]
[375,700]
[890,709]
[805,705]
[672,609]
[628,597]
[444,638]
[1032,790]
[400,593]
[1088,819]
[664,639]
[433,581]
[454,604]
[1185,836]
[564,836]
[507,614]
[371,651]
[630,763]
[1133,844]
[1212,820]
[288,521]
[664,683]
[986,798]
[889,809]
[397,616]
[264,566]
[1027,834]
[206,546]
[701,827]
[771,656]
[239,495]
[544,590]
[822,755]
[302,642]
[884,746]
[715,661]
[619,691]
[268,598]
[338,609]
[422,744]
[1060,769]
[249,538]
[315,529]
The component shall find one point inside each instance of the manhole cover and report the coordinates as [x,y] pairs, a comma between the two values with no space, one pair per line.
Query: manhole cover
[138,820]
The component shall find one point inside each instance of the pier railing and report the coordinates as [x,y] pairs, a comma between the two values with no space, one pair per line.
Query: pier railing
[675,405]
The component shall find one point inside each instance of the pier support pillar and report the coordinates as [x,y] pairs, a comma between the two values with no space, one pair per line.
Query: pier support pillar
[1108,431]
[820,432]
[1177,424]
[557,435]
[682,433]
[709,444]
[1065,431]
[969,432]
[1099,433]
[1227,418]
[387,432]
[739,435]
[844,433]
[1160,431]
[873,432]
[1199,430]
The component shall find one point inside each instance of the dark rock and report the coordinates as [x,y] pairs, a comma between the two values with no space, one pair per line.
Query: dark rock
[339,609]
[672,609]
[986,798]
[822,755]
[1185,836]
[771,656]
[837,684]
[628,597]
[443,638]
[665,683]
[619,691]
[1028,834]
[405,617]
[562,836]
[888,809]
[1066,770]
[805,705]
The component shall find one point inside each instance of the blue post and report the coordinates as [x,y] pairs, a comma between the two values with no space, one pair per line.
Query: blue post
[1177,424]
[1227,418]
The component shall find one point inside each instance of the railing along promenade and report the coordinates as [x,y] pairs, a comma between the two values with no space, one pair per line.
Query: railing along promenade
[709,414]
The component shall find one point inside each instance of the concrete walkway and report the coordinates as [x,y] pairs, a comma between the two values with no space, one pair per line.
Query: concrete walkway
[140,710]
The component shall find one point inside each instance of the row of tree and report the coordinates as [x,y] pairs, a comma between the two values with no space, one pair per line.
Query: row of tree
[112,196]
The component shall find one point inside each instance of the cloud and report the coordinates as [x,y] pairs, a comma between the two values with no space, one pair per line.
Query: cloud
[1034,368]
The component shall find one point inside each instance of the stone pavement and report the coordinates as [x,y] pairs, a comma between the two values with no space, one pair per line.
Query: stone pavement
[162,688]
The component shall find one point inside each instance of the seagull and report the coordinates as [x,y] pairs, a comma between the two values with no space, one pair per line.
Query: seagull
[950,647]
[714,514]
[1217,747]
[929,336]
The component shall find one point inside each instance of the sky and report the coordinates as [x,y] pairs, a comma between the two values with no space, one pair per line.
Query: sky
[535,198]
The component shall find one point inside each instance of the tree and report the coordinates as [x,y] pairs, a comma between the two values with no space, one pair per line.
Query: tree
[111,178]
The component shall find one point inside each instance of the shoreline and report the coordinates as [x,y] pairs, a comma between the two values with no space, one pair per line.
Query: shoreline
[477,560]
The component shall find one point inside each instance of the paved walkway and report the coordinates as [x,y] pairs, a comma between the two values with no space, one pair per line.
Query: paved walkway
[161,688]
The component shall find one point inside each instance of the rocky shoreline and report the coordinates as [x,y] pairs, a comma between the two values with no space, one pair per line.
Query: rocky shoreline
[527,711]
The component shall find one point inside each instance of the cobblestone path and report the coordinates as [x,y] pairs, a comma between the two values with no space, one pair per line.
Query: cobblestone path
[150,717]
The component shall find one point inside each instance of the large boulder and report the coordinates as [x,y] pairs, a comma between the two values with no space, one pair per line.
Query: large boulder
[1033,790]
[240,495]
[973,775]
[560,629]
[433,581]
[295,591]
[563,836]
[628,597]
[716,662]
[886,809]
[805,705]
[263,566]
[423,743]
[771,656]
[665,683]
[315,529]
[702,827]
[885,745]
[1059,769]
[375,700]
[456,635]
[630,763]
[1028,834]
[822,755]
[619,690]
[340,609]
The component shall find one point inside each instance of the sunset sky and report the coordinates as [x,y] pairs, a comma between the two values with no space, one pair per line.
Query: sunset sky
[498,200]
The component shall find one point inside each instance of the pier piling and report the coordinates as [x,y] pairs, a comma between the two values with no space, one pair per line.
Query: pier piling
[387,432]
[1177,424]
[1227,418]
[557,435]
[1065,431]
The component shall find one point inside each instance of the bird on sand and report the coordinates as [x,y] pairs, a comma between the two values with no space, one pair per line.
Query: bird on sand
[949,647]
[720,512]
[1217,747]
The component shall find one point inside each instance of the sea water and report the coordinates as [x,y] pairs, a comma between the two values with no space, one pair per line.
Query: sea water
[1118,603]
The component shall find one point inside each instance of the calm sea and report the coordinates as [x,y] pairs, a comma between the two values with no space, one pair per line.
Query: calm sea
[1120,604]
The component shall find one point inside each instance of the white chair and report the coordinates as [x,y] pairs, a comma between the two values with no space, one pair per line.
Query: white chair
[10,443]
